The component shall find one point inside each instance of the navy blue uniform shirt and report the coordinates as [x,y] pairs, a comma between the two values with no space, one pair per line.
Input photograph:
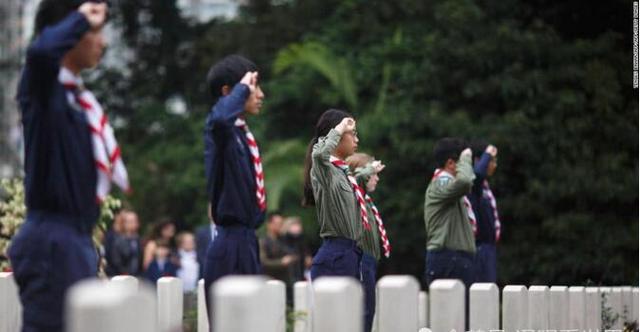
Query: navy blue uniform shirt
[60,172]
[231,180]
[482,206]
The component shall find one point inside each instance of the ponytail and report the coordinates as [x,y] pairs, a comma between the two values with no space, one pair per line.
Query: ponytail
[307,193]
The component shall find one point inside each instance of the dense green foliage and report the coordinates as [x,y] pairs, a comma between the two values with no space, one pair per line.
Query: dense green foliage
[556,99]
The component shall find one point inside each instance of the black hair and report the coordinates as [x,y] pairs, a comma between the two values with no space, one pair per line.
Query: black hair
[228,71]
[478,146]
[50,12]
[328,120]
[448,148]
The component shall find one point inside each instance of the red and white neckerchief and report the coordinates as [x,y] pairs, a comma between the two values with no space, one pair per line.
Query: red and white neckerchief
[467,204]
[356,189]
[106,151]
[488,194]
[261,194]
[383,233]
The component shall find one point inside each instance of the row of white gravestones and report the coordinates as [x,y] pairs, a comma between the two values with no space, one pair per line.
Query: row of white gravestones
[567,308]
[330,304]
[125,304]
[535,308]
[542,308]
[335,304]
[255,304]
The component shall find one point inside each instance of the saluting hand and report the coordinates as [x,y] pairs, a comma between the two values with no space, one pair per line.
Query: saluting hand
[492,150]
[378,166]
[346,125]
[250,79]
[95,13]
[466,152]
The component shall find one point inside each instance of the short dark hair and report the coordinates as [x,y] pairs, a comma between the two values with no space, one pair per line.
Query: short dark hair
[478,146]
[50,12]
[228,71]
[448,148]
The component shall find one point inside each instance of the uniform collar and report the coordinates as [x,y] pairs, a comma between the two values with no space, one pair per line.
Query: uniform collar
[66,76]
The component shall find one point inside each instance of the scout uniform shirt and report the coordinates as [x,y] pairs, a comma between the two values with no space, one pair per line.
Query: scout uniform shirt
[370,241]
[60,170]
[336,204]
[231,181]
[445,216]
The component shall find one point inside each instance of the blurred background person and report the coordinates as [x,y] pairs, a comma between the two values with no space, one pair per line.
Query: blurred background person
[274,254]
[292,235]
[109,238]
[164,231]
[126,250]
[161,264]
[189,269]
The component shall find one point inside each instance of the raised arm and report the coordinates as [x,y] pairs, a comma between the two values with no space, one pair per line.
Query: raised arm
[454,189]
[481,167]
[322,150]
[362,173]
[45,54]
[326,145]
[229,107]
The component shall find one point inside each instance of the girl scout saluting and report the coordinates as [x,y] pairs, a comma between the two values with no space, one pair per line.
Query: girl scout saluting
[338,199]
[365,170]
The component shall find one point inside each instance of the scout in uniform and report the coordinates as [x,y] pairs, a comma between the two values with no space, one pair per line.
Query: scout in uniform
[235,180]
[366,170]
[339,201]
[71,159]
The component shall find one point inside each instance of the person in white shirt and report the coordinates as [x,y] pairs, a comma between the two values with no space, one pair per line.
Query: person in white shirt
[189,268]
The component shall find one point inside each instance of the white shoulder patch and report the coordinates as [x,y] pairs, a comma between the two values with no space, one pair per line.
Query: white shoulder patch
[443,180]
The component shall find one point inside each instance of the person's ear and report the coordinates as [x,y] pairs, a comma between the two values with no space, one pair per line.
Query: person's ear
[450,162]
[225,90]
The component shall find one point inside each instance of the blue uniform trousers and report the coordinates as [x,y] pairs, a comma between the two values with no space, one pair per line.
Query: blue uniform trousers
[485,262]
[451,264]
[234,251]
[369,269]
[337,257]
[48,255]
